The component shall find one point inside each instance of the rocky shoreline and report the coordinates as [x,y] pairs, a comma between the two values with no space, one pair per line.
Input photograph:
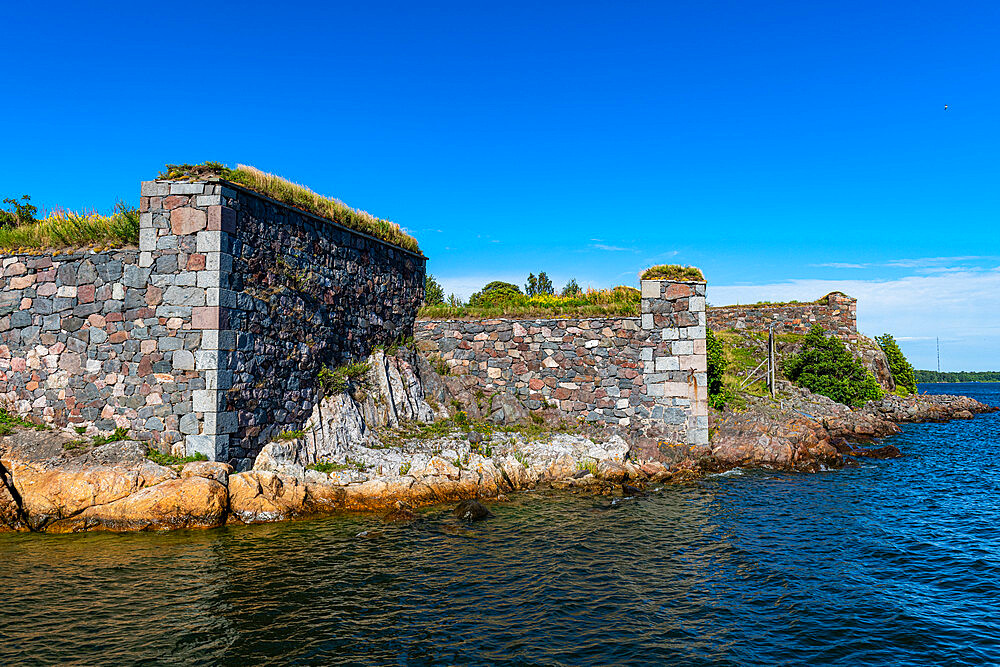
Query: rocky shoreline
[390,446]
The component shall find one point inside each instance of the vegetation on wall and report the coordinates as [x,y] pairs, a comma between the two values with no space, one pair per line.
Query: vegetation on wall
[672,272]
[825,366]
[433,292]
[21,232]
[902,371]
[295,195]
[500,299]
[957,376]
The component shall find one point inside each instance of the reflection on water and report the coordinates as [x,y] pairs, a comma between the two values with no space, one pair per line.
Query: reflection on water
[895,562]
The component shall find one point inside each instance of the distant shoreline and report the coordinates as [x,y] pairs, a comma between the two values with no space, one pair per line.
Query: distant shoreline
[961,382]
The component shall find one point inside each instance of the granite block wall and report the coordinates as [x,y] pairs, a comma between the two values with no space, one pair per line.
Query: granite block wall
[645,375]
[210,335]
[281,293]
[835,312]
[97,339]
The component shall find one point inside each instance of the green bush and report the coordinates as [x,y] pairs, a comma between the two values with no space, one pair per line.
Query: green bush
[495,293]
[902,371]
[825,366]
[20,213]
[433,292]
[333,381]
[716,369]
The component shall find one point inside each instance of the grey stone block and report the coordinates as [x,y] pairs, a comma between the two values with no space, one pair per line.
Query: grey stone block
[187,188]
[205,400]
[154,189]
[189,424]
[183,360]
[215,447]
[147,239]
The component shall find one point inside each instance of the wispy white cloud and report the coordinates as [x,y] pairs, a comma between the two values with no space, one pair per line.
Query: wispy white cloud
[919,263]
[841,265]
[611,248]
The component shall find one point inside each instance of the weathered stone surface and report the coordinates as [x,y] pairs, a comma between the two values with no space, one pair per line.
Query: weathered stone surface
[193,502]
[209,470]
[261,496]
[187,220]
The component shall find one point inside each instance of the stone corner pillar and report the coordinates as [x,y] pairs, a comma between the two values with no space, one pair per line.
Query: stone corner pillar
[674,312]
[185,247]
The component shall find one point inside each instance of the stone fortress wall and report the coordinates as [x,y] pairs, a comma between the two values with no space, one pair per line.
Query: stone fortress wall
[209,337]
[646,375]
[836,312]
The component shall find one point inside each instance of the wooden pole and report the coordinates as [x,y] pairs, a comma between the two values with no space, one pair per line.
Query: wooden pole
[770,360]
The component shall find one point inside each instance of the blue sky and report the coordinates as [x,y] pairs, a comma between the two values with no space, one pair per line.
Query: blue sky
[786,148]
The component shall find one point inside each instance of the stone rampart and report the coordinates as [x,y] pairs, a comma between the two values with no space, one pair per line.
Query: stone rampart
[286,293]
[646,375]
[209,337]
[835,312]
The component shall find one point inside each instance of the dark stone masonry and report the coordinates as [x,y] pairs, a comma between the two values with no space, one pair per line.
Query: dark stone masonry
[210,336]
[836,312]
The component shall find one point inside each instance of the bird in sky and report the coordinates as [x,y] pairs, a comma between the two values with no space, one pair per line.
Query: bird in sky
[946,107]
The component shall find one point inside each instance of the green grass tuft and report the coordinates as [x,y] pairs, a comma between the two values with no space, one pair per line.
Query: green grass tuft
[121,433]
[156,456]
[672,272]
[9,421]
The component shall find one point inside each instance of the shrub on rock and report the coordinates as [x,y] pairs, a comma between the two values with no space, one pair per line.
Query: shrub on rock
[825,366]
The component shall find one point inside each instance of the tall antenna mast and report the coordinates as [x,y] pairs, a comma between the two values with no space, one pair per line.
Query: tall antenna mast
[938,339]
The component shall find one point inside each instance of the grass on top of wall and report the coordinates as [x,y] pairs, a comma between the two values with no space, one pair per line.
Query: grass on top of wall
[65,229]
[623,301]
[672,272]
[822,301]
[297,196]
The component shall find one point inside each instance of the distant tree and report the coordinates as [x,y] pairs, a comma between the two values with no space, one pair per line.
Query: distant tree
[545,285]
[572,288]
[825,366]
[494,293]
[454,301]
[433,292]
[902,371]
[539,285]
[20,212]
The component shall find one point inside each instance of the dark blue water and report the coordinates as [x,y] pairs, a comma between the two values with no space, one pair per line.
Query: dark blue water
[897,562]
